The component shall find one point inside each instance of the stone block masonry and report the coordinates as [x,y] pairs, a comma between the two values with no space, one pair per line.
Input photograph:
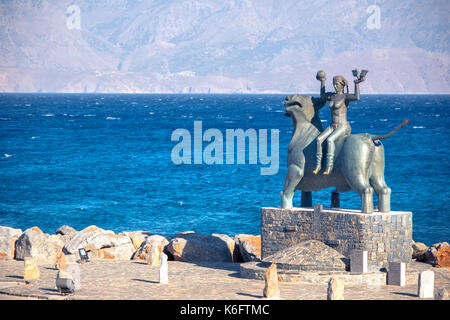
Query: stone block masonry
[387,237]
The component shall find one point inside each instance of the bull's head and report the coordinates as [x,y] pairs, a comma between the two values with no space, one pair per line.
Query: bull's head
[300,108]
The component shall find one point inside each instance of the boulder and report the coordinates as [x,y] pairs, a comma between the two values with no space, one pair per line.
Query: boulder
[8,238]
[197,247]
[110,247]
[419,249]
[42,247]
[82,238]
[232,246]
[137,237]
[101,244]
[430,256]
[443,256]
[67,232]
[249,247]
[152,245]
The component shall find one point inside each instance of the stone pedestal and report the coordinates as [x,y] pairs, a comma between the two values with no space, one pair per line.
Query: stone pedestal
[387,237]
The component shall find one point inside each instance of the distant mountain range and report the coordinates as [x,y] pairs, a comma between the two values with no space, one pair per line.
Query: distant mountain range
[212,46]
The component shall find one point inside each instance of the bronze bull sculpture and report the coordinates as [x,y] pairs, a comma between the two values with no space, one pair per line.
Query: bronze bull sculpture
[359,160]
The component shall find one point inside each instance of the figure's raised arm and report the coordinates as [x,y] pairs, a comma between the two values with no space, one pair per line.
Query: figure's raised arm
[360,78]
[321,76]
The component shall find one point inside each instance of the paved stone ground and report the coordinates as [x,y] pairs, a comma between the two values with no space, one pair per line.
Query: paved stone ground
[134,280]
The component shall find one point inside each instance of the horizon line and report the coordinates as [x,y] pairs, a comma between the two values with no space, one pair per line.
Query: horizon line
[213,93]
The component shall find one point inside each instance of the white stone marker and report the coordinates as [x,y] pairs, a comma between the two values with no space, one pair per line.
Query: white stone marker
[358,261]
[426,284]
[163,269]
[397,274]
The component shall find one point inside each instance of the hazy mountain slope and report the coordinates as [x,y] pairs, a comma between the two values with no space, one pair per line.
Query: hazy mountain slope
[222,46]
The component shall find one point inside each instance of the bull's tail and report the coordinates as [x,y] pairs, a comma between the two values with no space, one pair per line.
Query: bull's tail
[401,125]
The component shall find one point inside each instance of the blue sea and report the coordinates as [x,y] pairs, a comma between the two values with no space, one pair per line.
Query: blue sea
[105,159]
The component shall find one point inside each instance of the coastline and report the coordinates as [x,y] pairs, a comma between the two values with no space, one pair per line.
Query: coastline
[201,267]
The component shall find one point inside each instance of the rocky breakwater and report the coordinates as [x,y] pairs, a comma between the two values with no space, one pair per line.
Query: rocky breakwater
[438,254]
[101,244]
[187,246]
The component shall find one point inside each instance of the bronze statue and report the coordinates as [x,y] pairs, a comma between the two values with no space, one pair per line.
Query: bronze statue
[338,104]
[359,158]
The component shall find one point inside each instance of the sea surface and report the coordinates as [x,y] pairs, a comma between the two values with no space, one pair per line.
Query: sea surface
[105,160]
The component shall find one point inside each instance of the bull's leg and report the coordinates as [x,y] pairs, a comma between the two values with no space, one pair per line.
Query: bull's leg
[293,177]
[364,190]
[383,193]
[384,200]
[306,199]
[367,200]
[335,199]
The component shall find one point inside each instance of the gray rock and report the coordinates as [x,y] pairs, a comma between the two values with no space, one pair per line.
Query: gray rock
[137,237]
[429,256]
[249,247]
[197,247]
[8,238]
[42,247]
[232,246]
[101,244]
[9,232]
[419,249]
[66,231]
[145,250]
[82,238]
